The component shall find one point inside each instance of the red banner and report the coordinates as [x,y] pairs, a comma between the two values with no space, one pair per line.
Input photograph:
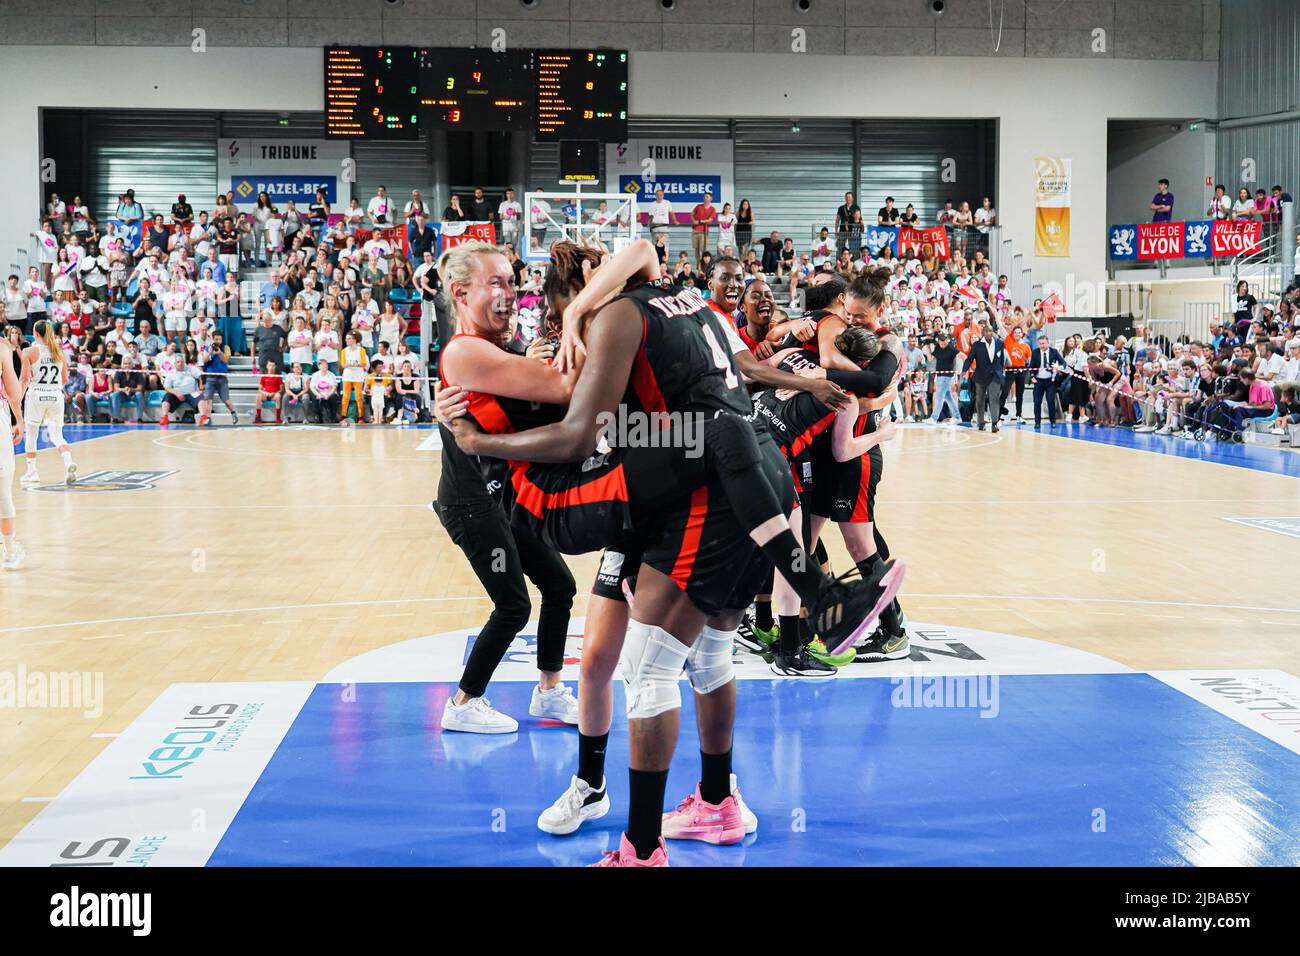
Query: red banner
[1234,237]
[1052,306]
[913,241]
[454,233]
[1160,240]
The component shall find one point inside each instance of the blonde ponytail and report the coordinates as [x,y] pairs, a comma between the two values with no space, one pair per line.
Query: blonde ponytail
[46,333]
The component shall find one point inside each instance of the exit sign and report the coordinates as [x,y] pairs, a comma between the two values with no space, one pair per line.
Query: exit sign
[1209,180]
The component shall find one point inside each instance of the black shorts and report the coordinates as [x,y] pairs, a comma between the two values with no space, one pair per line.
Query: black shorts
[845,491]
[576,507]
[702,547]
[618,565]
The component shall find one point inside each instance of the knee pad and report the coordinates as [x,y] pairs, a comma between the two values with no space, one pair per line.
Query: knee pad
[653,661]
[708,665]
[729,440]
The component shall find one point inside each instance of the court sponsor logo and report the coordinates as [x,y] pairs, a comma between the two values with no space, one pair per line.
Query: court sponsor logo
[1266,701]
[75,908]
[165,791]
[1289,526]
[21,689]
[110,480]
[935,649]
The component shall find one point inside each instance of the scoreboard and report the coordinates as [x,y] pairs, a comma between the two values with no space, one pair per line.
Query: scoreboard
[372,92]
[582,94]
[393,92]
[478,89]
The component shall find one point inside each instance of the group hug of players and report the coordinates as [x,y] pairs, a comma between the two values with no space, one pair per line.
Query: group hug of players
[751,459]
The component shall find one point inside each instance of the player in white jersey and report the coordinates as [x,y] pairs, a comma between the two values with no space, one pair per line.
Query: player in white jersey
[47,372]
[11,433]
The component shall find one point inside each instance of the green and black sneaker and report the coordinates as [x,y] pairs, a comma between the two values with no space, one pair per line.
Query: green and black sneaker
[753,638]
[881,646]
[818,650]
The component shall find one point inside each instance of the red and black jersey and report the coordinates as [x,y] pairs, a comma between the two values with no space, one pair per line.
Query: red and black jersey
[688,365]
[818,316]
[466,479]
[796,422]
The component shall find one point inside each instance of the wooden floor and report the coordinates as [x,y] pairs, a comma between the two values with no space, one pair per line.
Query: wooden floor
[277,554]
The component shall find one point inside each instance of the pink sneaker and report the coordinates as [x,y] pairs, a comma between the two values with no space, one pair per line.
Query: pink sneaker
[696,820]
[626,856]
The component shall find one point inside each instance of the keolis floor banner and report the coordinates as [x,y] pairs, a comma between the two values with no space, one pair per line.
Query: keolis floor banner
[1051,206]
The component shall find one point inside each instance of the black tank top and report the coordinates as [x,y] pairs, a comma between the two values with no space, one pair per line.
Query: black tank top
[795,422]
[687,360]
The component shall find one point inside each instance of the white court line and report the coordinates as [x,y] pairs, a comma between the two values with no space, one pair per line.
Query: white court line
[106,735]
[364,456]
[1164,454]
[38,799]
[40,643]
[243,610]
[438,600]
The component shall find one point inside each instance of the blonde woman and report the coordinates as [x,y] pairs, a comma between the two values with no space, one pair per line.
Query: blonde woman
[46,371]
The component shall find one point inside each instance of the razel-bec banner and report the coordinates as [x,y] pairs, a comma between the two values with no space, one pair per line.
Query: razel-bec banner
[1197,239]
[912,241]
[454,233]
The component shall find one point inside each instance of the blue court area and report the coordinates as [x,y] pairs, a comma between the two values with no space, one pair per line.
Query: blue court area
[1103,770]
[80,433]
[1271,459]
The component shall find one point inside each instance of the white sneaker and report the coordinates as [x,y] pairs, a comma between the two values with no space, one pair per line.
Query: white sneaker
[558,703]
[1165,431]
[746,815]
[30,477]
[476,716]
[575,807]
[1143,429]
[14,556]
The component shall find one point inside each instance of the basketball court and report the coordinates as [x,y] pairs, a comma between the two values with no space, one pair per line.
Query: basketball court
[213,665]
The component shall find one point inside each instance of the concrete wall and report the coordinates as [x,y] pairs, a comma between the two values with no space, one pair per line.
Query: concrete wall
[1140,154]
[1052,107]
[1134,29]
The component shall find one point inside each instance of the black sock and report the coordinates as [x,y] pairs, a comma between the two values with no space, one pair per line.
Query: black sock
[889,616]
[715,776]
[790,634]
[591,759]
[819,554]
[793,564]
[763,614]
[645,809]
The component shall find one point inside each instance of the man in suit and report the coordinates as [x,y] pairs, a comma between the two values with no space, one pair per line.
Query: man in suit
[1045,371]
[988,357]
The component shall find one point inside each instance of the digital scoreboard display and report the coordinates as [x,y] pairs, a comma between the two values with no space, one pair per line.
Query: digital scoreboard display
[582,94]
[394,92]
[372,92]
[478,90]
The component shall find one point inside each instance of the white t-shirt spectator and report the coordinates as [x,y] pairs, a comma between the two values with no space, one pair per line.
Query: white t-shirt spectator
[983,217]
[94,271]
[48,246]
[661,213]
[727,230]
[327,345]
[166,363]
[380,209]
[323,384]
[379,250]
[176,303]
[300,345]
[354,372]
[510,211]
[1274,364]
[35,292]
[121,338]
[1244,207]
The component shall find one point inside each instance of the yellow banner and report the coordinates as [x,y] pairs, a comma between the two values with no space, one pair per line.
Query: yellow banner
[1052,206]
[1051,231]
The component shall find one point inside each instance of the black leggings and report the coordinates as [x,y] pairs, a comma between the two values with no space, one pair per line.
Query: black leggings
[1016,383]
[501,556]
